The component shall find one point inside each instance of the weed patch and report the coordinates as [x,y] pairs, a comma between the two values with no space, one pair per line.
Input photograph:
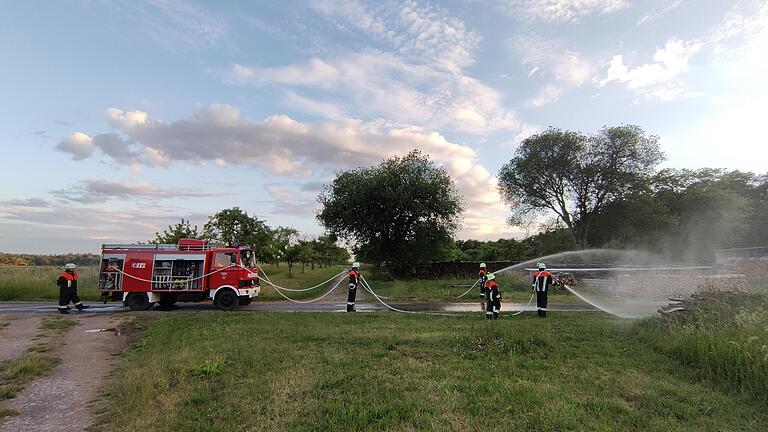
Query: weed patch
[722,338]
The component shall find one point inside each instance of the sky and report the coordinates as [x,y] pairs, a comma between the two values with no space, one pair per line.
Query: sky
[119,118]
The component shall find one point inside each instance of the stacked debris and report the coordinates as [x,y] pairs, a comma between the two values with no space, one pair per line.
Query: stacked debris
[705,287]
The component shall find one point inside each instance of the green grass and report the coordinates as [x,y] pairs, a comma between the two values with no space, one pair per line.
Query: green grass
[307,372]
[512,289]
[39,283]
[36,362]
[724,339]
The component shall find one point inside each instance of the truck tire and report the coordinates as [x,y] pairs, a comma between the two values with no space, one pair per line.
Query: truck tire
[227,299]
[245,300]
[138,302]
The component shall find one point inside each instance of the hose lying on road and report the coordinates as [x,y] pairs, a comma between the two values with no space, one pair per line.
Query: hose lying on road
[269,281]
[305,301]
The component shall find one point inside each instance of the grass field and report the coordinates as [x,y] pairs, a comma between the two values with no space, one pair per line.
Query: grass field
[724,339]
[245,371]
[39,283]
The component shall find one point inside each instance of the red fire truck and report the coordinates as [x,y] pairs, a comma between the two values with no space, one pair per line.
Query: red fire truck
[194,270]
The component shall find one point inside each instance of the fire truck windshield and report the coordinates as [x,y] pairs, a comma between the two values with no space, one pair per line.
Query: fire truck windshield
[248,258]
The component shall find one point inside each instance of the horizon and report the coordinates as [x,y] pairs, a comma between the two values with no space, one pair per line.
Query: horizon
[124,118]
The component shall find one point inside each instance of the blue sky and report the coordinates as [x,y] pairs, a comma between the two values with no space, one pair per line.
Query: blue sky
[119,117]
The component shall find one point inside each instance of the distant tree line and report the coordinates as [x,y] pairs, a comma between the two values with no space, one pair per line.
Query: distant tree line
[9,259]
[279,244]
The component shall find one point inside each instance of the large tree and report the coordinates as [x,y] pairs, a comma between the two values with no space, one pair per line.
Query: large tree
[234,226]
[401,212]
[182,229]
[575,176]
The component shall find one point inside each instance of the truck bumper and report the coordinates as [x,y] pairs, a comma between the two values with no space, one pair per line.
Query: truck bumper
[249,292]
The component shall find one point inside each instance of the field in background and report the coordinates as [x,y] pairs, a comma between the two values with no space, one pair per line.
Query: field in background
[39,283]
[240,371]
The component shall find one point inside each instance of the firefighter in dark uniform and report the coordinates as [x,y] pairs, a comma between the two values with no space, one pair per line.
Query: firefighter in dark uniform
[354,278]
[482,275]
[492,298]
[542,281]
[67,283]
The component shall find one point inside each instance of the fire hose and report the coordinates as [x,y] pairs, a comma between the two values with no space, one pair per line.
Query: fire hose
[269,281]
[470,289]
[306,301]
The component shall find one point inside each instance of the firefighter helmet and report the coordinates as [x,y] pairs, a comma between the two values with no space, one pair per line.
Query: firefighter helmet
[70,266]
[355,265]
[542,266]
[482,265]
[491,276]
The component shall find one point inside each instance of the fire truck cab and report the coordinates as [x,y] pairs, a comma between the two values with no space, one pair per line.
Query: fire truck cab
[141,275]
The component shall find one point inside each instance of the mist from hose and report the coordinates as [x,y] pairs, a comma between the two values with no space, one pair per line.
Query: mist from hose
[624,283]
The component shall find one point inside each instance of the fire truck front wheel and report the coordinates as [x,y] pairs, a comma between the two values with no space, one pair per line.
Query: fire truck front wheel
[227,299]
[245,300]
[138,302]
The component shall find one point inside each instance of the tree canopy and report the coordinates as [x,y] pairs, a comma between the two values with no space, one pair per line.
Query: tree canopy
[575,176]
[401,212]
[182,229]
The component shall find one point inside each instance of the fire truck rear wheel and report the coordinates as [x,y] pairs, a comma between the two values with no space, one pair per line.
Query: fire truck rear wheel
[227,299]
[138,302]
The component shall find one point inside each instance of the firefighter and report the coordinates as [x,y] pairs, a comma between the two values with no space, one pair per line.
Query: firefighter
[354,278]
[492,298]
[542,280]
[67,283]
[482,275]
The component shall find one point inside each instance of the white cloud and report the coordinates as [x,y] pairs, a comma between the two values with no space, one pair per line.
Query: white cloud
[421,33]
[546,95]
[565,65]
[415,78]
[379,84]
[660,79]
[78,144]
[174,24]
[99,190]
[312,106]
[286,147]
[659,12]
[61,227]
[561,10]
[287,201]
[125,119]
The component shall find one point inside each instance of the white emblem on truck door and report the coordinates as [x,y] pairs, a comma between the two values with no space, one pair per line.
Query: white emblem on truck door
[223,275]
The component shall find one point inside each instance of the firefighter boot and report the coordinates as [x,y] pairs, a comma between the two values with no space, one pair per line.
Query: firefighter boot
[81,306]
[63,310]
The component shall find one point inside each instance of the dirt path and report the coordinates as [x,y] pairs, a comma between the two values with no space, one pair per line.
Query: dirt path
[60,401]
[17,336]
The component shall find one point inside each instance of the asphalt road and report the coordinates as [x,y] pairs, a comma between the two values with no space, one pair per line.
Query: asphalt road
[117,308]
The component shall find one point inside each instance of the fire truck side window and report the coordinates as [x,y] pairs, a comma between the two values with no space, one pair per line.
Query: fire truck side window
[224,259]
